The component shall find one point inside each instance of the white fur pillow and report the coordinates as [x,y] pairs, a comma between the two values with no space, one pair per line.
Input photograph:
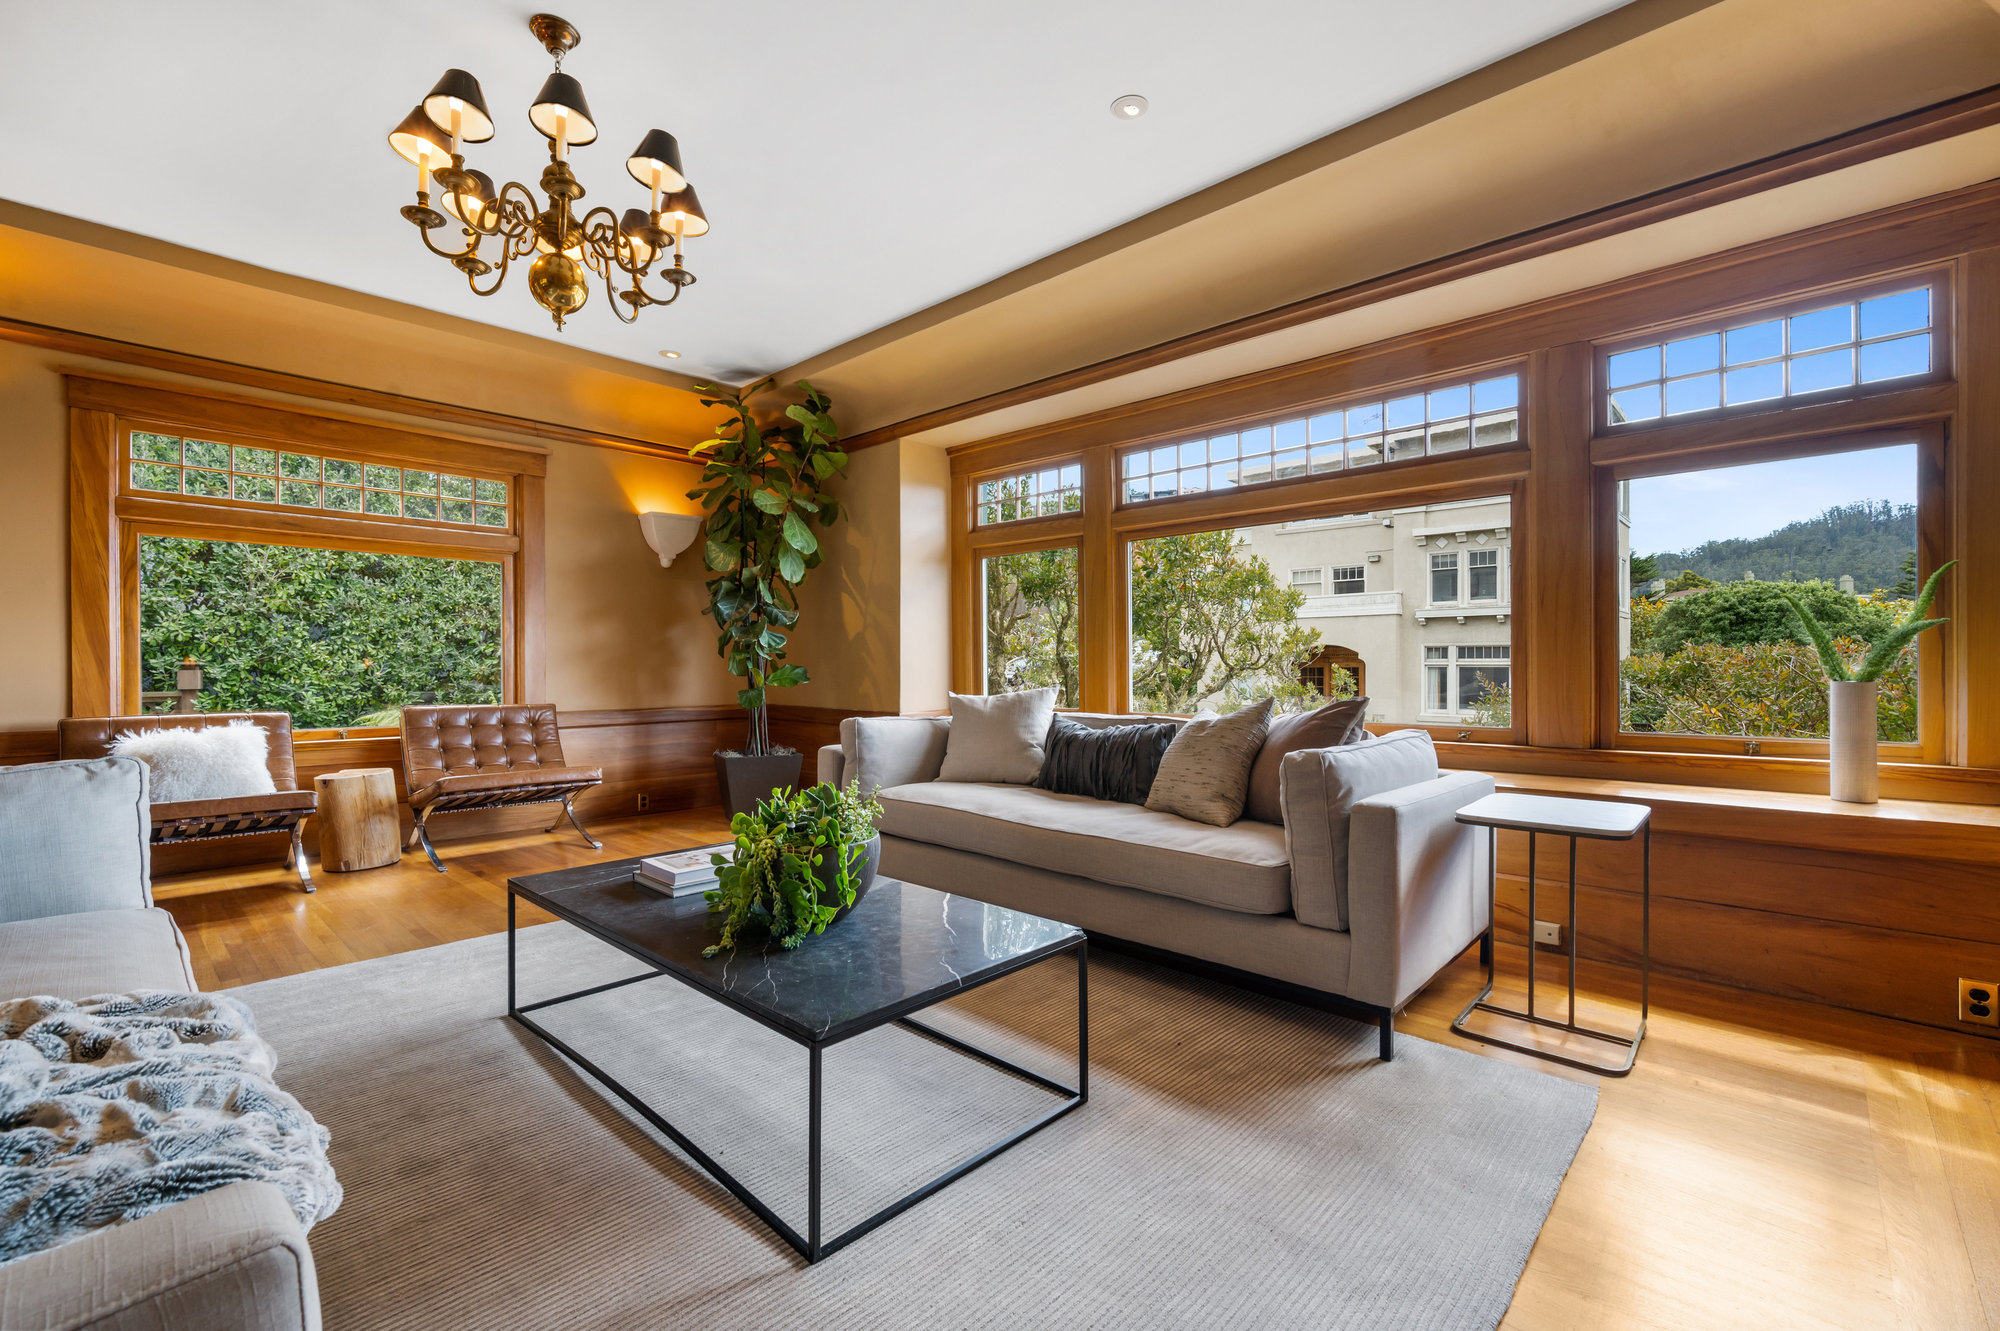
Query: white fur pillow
[214,762]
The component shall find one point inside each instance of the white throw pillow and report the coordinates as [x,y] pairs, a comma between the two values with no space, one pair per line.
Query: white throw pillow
[998,739]
[211,763]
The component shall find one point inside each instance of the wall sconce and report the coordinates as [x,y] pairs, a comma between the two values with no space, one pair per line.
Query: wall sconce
[669,533]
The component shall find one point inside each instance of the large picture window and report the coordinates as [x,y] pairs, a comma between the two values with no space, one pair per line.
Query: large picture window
[1216,624]
[337,638]
[1707,643]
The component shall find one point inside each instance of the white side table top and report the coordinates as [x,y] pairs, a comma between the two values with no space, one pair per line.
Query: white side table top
[1612,820]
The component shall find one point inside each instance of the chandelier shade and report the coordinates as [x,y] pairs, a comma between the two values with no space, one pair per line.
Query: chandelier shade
[459,92]
[656,162]
[680,213]
[633,226]
[419,140]
[560,97]
[473,201]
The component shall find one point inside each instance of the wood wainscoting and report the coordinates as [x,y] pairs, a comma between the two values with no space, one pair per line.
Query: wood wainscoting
[1876,908]
[665,754]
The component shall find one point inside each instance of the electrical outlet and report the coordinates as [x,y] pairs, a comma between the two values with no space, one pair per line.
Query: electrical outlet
[645,802]
[1979,1002]
[1547,934]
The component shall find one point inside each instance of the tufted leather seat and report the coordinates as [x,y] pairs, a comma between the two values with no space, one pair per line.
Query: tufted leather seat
[459,758]
[283,811]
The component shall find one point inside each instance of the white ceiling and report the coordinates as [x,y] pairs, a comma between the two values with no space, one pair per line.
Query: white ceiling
[860,160]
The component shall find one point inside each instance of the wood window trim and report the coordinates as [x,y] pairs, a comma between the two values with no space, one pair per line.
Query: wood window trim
[1567,466]
[107,520]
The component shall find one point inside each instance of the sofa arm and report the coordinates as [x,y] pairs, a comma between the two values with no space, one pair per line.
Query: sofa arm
[832,768]
[230,1260]
[893,750]
[1416,886]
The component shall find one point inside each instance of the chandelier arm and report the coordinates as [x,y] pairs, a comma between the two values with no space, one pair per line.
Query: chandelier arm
[432,246]
[500,274]
[611,298]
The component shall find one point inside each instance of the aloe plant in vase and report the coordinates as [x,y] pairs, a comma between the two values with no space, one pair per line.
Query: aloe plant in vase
[1853,769]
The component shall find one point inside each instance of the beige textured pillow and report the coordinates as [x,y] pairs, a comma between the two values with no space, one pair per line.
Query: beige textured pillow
[1205,774]
[998,738]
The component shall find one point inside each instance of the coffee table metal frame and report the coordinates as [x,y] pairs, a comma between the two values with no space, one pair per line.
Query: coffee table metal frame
[812,1245]
[1479,1003]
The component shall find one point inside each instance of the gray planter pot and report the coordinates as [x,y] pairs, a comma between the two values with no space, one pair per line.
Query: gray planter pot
[864,876]
[1855,775]
[748,779]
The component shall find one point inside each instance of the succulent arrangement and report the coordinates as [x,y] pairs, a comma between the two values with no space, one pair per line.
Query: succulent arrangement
[797,862]
[1885,651]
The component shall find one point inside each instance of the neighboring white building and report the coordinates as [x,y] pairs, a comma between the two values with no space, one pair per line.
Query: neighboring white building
[1416,602]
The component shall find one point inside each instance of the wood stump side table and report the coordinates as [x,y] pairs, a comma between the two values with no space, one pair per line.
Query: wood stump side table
[358,822]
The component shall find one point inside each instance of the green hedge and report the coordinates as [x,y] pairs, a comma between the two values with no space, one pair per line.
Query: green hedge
[331,636]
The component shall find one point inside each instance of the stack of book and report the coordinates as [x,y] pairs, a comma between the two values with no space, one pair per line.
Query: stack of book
[680,872]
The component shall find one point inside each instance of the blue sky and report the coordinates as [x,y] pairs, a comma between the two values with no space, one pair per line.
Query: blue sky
[1680,512]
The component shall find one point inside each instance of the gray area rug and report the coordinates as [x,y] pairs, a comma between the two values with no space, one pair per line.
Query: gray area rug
[1241,1163]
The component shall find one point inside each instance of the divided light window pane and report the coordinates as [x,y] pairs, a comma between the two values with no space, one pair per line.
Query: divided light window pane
[1707,644]
[1840,346]
[1435,423]
[1033,494]
[1224,618]
[201,469]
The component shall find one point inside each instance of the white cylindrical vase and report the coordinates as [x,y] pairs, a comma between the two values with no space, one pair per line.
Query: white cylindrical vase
[1851,710]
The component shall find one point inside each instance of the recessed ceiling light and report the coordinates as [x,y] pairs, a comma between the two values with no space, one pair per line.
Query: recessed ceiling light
[671,355]
[1129,107]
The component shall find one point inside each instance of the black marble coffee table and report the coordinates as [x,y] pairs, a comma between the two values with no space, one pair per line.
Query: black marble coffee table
[889,958]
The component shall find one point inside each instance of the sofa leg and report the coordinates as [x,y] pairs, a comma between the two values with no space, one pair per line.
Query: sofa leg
[1486,949]
[1388,1033]
[420,837]
[569,811]
[295,858]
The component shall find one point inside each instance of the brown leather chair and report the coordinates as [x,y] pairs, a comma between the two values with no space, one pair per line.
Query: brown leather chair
[461,758]
[208,820]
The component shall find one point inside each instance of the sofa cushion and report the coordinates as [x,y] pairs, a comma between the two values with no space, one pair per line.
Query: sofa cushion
[74,836]
[997,738]
[1335,724]
[883,751]
[1206,772]
[1240,868]
[1320,789]
[1103,762]
[94,952]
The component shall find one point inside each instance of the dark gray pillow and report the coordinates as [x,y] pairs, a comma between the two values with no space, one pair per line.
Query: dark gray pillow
[1335,724]
[1114,763]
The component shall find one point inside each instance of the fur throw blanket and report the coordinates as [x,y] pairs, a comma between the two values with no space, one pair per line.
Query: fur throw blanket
[119,1105]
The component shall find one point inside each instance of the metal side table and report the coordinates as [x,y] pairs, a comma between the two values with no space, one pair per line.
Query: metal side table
[1599,820]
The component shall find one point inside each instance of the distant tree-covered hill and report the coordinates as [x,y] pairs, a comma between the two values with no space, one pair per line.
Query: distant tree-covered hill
[1867,541]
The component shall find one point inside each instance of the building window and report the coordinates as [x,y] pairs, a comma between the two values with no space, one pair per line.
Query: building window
[1034,494]
[1483,575]
[1444,579]
[1350,579]
[1435,423]
[1823,350]
[1710,645]
[1031,622]
[1469,681]
[1307,580]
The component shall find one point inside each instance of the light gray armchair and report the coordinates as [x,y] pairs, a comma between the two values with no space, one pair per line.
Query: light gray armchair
[77,918]
[1369,888]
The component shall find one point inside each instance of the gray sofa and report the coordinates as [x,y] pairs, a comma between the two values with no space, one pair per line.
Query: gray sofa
[77,918]
[1354,908]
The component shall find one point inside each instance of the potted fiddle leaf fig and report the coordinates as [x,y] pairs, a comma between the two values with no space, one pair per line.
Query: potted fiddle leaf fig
[762,502]
[1854,773]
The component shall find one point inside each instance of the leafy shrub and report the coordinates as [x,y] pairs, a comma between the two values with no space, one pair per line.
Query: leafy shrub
[768,882]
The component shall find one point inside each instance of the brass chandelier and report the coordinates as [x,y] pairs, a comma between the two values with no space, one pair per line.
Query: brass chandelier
[568,249]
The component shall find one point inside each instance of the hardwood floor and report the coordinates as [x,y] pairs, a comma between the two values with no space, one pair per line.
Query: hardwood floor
[1769,1163]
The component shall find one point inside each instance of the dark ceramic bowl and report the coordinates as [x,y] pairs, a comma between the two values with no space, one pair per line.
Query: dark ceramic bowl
[826,866]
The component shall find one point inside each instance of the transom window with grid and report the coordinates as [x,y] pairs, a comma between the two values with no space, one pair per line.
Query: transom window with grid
[1043,493]
[1439,421]
[205,469]
[1841,346]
